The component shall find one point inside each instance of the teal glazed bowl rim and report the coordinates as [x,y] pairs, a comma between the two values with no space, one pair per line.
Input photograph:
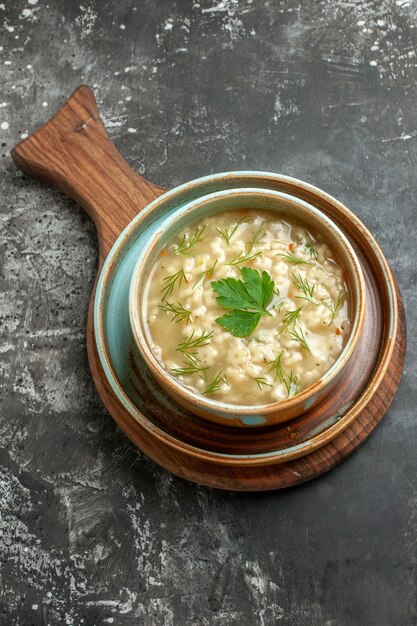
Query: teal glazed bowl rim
[111,340]
[228,199]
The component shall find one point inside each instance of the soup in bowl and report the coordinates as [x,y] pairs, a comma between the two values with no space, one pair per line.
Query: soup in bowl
[246,305]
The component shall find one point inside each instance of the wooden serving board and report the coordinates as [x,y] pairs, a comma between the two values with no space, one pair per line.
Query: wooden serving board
[73,152]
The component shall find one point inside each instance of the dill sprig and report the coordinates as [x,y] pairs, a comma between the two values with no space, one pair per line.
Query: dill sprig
[243,257]
[258,235]
[312,250]
[216,384]
[260,381]
[190,367]
[187,243]
[305,287]
[299,337]
[290,381]
[170,282]
[291,384]
[189,346]
[207,273]
[228,232]
[294,260]
[335,307]
[180,313]
[276,367]
[290,318]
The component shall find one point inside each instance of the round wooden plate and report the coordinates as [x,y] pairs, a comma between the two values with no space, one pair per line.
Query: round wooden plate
[73,152]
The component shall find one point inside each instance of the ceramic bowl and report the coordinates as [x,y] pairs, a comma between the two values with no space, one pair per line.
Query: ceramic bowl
[285,206]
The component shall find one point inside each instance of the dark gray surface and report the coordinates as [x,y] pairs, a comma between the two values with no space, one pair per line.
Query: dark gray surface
[91,531]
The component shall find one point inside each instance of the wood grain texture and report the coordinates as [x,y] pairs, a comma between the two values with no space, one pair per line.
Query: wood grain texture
[73,152]
[267,477]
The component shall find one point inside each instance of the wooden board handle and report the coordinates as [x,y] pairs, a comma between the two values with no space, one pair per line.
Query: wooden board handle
[73,152]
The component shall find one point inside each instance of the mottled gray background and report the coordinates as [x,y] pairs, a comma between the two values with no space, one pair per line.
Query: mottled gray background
[91,531]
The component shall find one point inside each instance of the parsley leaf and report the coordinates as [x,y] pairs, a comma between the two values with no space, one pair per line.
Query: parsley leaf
[246,299]
[239,323]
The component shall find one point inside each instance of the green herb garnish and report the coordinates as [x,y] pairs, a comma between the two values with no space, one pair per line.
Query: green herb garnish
[246,299]
[187,243]
[276,367]
[228,232]
[334,308]
[260,381]
[180,313]
[170,282]
[189,346]
[311,250]
[216,384]
[299,337]
[243,257]
[258,235]
[305,287]
[289,381]
[293,260]
[289,318]
[291,384]
[190,367]
[208,273]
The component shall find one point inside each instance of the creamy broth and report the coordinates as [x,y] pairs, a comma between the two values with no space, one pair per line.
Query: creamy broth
[298,337]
